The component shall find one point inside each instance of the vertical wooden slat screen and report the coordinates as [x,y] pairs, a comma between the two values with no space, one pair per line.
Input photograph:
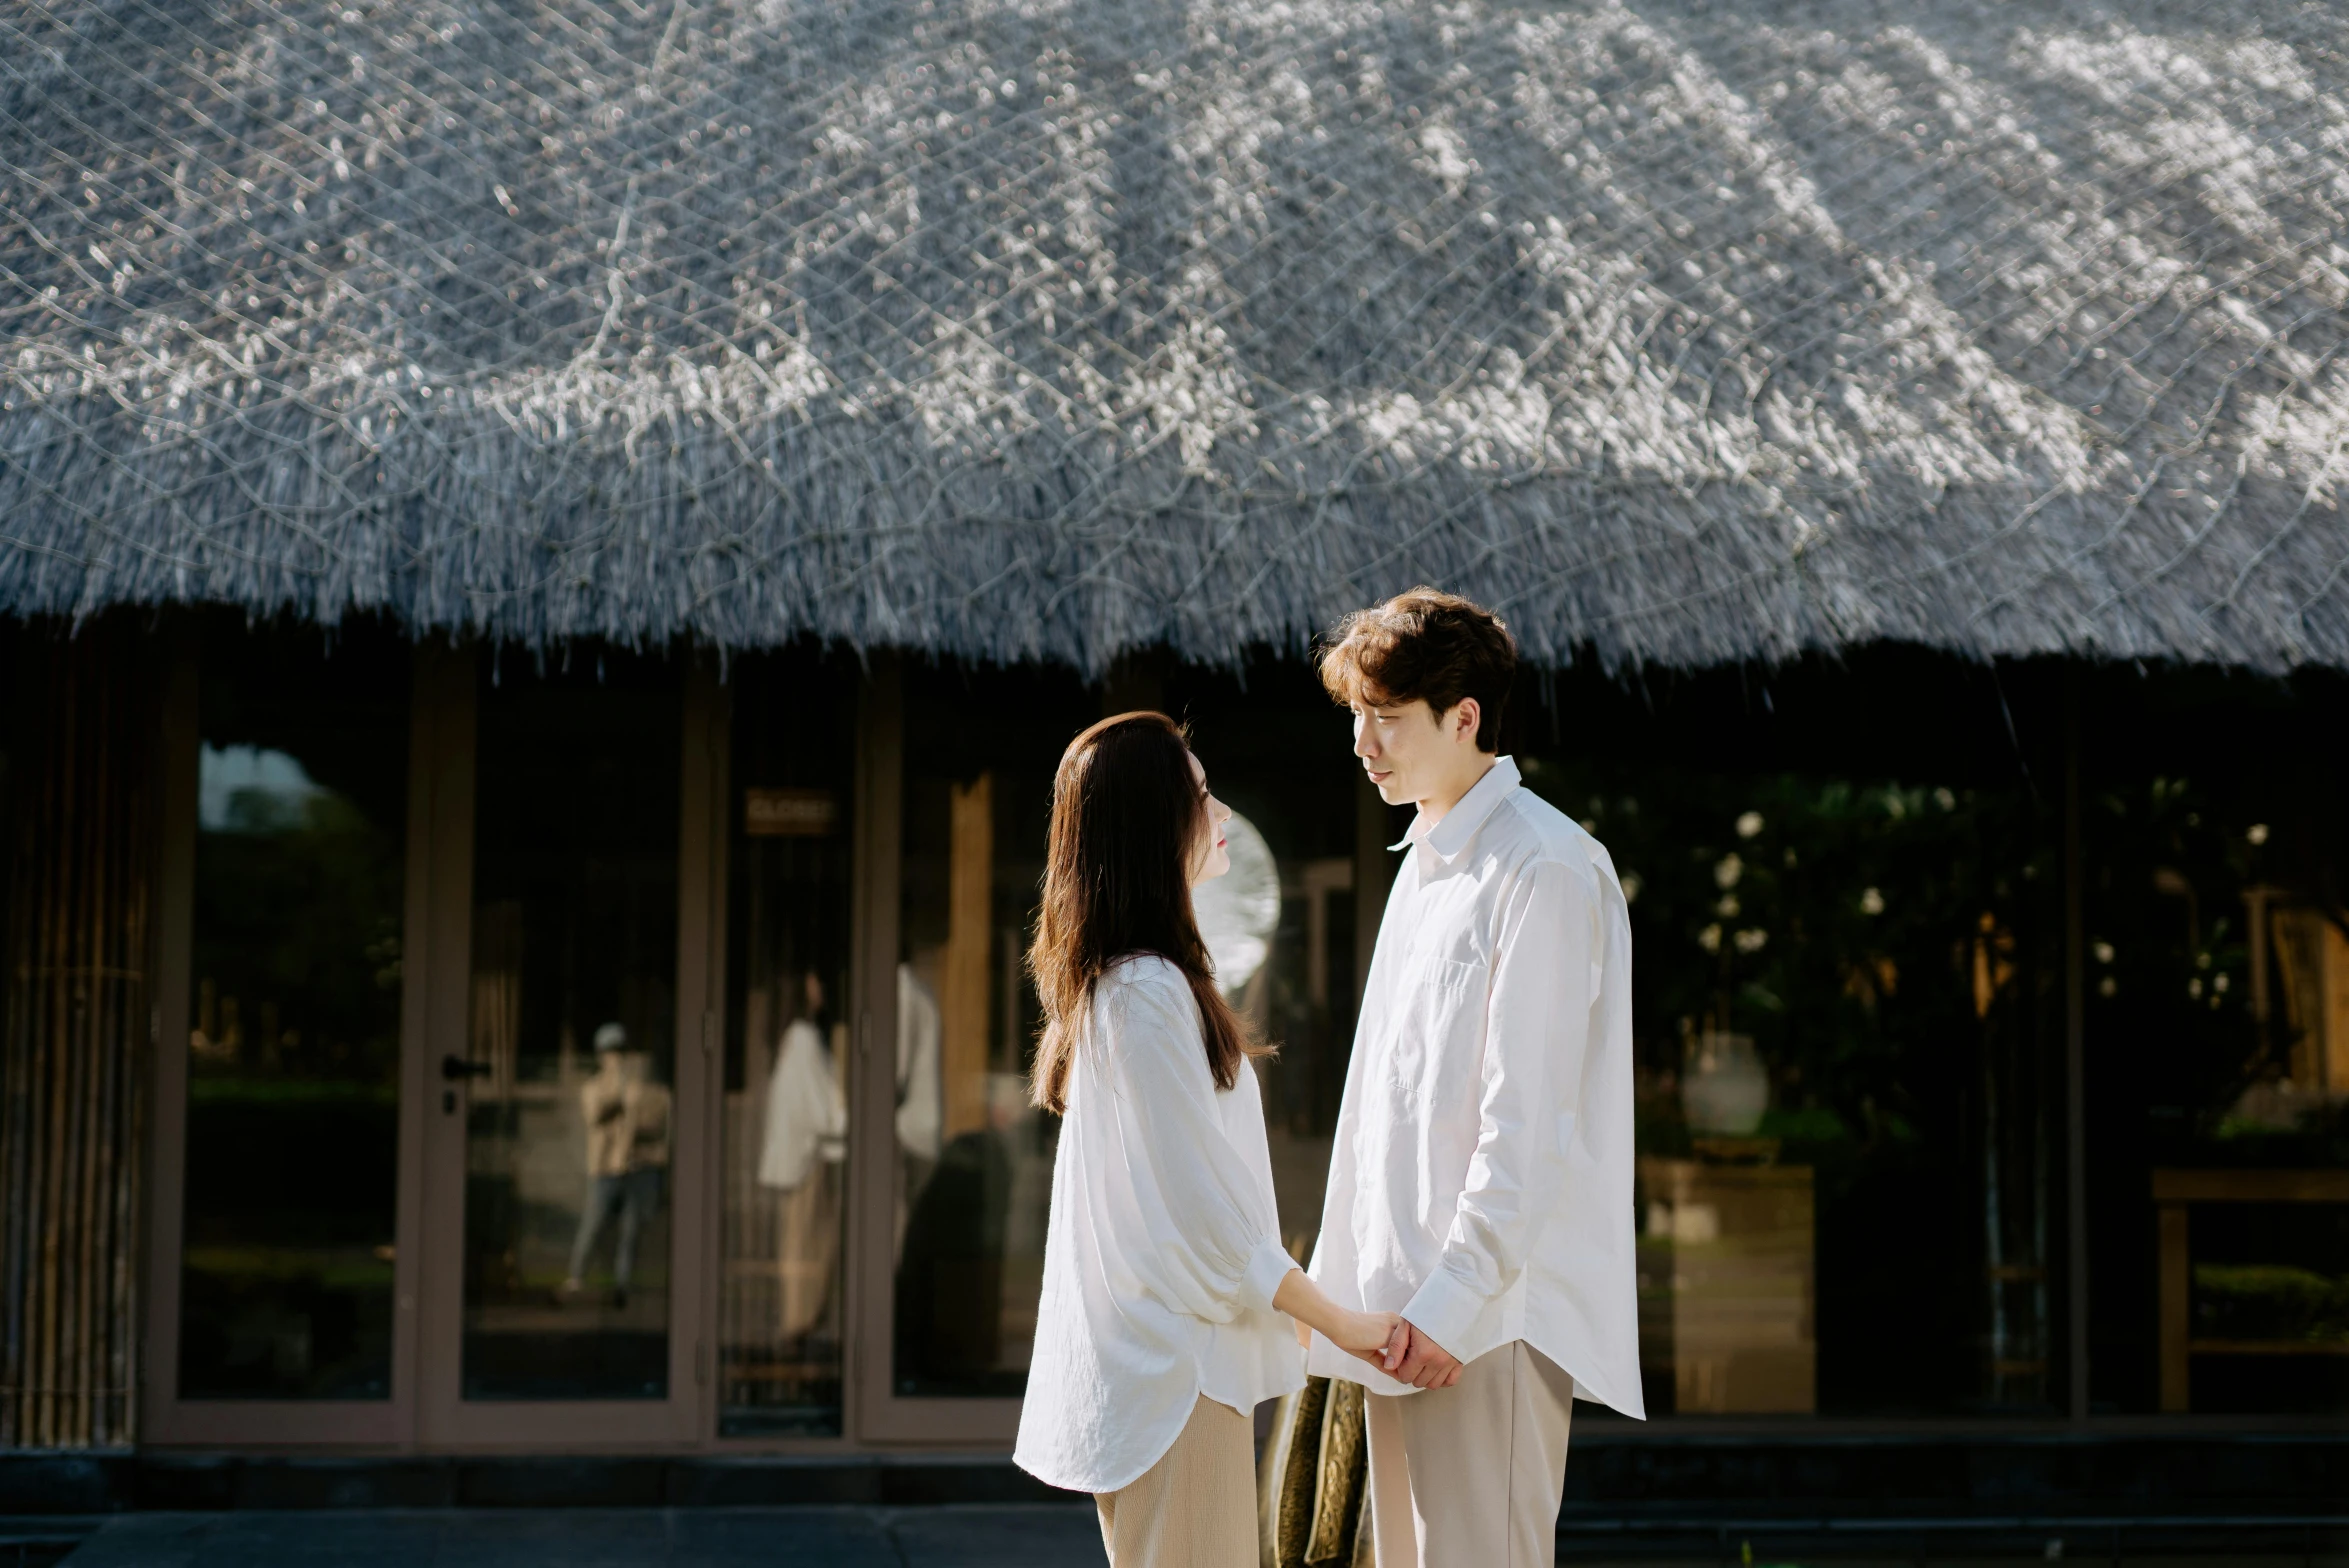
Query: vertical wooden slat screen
[72,1059]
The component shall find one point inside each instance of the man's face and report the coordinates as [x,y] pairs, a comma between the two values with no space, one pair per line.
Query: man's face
[1407,747]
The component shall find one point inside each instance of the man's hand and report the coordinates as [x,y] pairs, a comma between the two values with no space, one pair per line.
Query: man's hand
[1425,1363]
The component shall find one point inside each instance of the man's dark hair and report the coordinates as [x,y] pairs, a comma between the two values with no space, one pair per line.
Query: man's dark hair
[1424,645]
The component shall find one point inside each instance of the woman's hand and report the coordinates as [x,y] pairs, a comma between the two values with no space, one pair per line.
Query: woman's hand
[1377,1337]
[1380,1338]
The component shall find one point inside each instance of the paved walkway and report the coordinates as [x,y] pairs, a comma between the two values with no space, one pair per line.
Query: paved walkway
[1047,1535]
[1008,1535]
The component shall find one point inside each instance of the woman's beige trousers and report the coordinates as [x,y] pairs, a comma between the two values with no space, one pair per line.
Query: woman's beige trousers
[1196,1507]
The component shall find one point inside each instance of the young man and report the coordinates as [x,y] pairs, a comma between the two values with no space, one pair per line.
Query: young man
[1481,1180]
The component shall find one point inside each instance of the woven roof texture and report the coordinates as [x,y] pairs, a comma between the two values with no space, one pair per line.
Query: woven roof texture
[1683,332]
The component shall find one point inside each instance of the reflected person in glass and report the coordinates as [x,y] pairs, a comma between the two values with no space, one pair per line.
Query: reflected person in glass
[1168,1300]
[627,1158]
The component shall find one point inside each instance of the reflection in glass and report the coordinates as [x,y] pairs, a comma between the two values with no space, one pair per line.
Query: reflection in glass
[569,1111]
[787,1050]
[293,1038]
[1279,926]
[1282,925]
[2218,1033]
[974,1160]
[1848,1048]
[1239,912]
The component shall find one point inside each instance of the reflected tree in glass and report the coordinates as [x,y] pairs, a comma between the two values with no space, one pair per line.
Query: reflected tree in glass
[293,1034]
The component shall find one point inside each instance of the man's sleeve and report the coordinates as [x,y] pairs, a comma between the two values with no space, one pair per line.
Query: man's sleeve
[1537,1028]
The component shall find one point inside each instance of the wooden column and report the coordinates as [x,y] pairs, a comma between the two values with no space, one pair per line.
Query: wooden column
[73,1054]
[2175,1294]
[965,981]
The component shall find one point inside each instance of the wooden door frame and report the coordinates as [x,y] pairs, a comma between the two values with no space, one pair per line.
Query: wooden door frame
[708,785]
[166,1419]
[445,1420]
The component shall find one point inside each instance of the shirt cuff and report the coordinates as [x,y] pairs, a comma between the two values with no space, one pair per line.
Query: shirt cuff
[1444,1309]
[1268,1265]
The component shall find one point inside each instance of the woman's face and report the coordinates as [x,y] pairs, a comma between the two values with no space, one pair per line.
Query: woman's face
[1210,857]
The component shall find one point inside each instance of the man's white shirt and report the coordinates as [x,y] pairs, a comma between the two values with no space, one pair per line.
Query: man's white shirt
[1481,1178]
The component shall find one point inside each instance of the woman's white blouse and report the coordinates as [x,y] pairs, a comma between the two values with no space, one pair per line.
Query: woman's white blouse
[1164,1246]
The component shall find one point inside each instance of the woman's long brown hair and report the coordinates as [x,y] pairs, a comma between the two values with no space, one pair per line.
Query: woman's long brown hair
[1126,814]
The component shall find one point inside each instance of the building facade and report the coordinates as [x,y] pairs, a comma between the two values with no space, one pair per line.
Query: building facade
[502,1055]
[547,555]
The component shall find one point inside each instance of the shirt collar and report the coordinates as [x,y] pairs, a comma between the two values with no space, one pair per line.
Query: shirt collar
[1451,835]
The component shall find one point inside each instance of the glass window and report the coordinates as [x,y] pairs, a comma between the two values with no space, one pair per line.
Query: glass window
[2218,1046]
[293,1034]
[787,1047]
[1287,925]
[1847,1010]
[1849,1054]
[974,1161]
[1846,898]
[570,1112]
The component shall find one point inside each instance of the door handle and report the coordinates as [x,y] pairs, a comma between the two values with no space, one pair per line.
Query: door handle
[455,1069]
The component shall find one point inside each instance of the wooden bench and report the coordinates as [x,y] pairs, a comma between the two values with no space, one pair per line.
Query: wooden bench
[2173,1192]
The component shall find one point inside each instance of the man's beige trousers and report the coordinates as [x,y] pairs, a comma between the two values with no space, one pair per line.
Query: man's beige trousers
[1196,1507]
[1471,1476]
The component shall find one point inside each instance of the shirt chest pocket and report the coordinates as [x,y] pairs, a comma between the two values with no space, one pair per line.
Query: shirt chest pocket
[1440,1010]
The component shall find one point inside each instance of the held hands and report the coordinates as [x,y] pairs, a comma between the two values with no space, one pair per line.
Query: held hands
[1384,1339]
[1423,1363]
[1379,1338]
[1389,1343]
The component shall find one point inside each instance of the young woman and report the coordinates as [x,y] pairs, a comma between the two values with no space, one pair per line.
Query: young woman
[1169,1306]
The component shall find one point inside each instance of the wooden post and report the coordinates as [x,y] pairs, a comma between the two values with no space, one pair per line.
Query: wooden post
[965,980]
[2176,1278]
[2075,1066]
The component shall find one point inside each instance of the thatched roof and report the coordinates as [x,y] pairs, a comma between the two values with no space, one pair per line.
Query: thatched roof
[1684,331]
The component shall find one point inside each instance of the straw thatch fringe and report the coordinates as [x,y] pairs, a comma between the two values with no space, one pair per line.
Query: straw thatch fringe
[72,1054]
[1683,332]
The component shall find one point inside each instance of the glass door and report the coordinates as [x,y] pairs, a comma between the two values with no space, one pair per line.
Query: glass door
[280,1303]
[785,1319]
[565,1142]
[957,1165]
[952,1165]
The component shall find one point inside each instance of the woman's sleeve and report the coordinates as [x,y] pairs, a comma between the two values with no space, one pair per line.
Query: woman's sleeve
[1190,1228]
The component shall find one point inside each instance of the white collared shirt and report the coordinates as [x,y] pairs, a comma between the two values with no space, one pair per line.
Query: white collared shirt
[1481,1180]
[1163,1250]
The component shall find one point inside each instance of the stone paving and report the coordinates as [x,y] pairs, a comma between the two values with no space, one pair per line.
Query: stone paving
[1047,1535]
